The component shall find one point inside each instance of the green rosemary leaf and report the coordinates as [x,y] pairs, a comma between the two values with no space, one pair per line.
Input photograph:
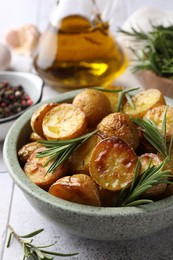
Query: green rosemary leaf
[39,253]
[25,250]
[58,254]
[52,151]
[120,99]
[108,90]
[129,100]
[33,233]
[138,165]
[9,239]
[130,90]
[138,202]
[164,126]
[40,247]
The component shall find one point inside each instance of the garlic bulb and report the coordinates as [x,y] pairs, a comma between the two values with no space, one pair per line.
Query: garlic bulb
[5,57]
[24,39]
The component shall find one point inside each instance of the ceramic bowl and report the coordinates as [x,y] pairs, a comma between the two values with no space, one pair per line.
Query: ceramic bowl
[32,85]
[101,223]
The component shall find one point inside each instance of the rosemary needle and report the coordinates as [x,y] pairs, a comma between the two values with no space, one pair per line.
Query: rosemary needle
[122,93]
[59,151]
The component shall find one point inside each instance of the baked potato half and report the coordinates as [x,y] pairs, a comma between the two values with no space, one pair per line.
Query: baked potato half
[64,121]
[112,164]
[143,101]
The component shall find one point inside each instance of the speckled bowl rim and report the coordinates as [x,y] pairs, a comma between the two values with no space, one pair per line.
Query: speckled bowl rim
[17,174]
[28,75]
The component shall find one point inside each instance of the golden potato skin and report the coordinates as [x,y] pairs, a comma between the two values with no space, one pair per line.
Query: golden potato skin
[112,164]
[78,188]
[26,150]
[37,118]
[156,115]
[35,137]
[120,125]
[95,105]
[37,173]
[114,97]
[152,159]
[167,192]
[65,121]
[144,101]
[79,160]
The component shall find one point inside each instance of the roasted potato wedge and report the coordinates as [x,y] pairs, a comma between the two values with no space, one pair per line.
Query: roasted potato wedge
[64,121]
[112,164]
[120,125]
[37,117]
[146,160]
[79,160]
[156,114]
[27,150]
[144,101]
[37,173]
[79,188]
[95,105]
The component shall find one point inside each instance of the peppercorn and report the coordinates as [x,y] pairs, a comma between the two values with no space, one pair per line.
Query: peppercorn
[13,99]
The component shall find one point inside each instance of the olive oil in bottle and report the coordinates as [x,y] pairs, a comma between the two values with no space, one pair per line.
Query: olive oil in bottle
[79,53]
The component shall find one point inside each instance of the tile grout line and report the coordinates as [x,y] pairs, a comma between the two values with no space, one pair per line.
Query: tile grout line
[6,228]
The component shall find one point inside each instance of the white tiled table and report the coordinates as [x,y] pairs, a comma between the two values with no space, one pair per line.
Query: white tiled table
[16,210]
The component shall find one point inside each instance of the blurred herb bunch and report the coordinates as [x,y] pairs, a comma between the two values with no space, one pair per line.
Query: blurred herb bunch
[156,53]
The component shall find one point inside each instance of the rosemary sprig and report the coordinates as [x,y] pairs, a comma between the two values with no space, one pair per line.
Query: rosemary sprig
[154,136]
[30,251]
[59,151]
[142,181]
[122,93]
[153,175]
[157,52]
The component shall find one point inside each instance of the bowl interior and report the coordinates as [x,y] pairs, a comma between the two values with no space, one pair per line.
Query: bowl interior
[31,83]
[18,135]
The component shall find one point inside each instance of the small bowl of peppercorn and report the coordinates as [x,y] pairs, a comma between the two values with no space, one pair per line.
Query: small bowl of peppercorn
[18,92]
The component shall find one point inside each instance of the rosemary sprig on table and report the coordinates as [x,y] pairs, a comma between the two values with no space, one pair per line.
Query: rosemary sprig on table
[157,51]
[122,93]
[31,251]
[59,151]
[142,181]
